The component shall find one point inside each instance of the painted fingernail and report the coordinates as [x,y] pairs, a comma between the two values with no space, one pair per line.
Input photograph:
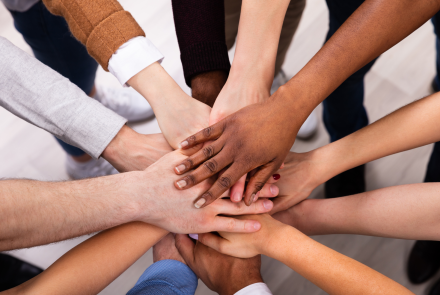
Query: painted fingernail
[180,168]
[276,176]
[183,144]
[194,236]
[267,204]
[200,203]
[274,189]
[236,197]
[181,183]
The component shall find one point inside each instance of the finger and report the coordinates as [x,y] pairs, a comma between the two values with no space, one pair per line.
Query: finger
[223,183]
[226,207]
[237,189]
[204,171]
[268,191]
[213,241]
[199,157]
[210,133]
[229,224]
[185,247]
[282,166]
[192,151]
[256,183]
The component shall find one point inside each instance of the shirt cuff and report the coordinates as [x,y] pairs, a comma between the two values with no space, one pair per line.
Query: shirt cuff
[255,289]
[132,57]
[166,277]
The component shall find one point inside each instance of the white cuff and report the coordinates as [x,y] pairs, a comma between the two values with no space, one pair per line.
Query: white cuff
[255,289]
[132,57]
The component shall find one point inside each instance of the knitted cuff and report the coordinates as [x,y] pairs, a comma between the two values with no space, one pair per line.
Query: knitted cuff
[204,57]
[110,34]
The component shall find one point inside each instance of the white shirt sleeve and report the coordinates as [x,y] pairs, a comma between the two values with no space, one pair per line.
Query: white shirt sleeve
[132,57]
[255,289]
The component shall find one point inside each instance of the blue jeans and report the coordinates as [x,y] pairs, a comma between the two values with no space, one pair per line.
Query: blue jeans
[53,44]
[344,111]
[166,277]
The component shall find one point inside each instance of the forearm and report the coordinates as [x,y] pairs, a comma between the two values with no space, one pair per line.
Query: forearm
[257,40]
[36,213]
[373,28]
[331,271]
[402,212]
[91,266]
[412,126]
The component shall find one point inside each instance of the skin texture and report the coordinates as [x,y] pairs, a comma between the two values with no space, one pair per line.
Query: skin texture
[131,151]
[104,254]
[401,212]
[221,273]
[245,141]
[74,208]
[331,271]
[177,113]
[399,131]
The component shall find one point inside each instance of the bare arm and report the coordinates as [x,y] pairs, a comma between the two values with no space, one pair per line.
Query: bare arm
[331,271]
[402,212]
[91,266]
[414,125]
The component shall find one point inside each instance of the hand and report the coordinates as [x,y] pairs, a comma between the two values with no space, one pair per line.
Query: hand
[223,274]
[245,245]
[206,86]
[173,210]
[131,151]
[257,136]
[166,249]
[301,174]
[235,95]
[177,113]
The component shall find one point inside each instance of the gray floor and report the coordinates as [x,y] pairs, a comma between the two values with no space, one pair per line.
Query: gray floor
[400,76]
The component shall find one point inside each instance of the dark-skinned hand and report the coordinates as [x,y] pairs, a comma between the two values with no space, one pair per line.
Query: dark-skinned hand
[221,273]
[257,136]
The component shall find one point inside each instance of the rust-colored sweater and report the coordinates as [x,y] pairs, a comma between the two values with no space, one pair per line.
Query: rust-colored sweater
[101,25]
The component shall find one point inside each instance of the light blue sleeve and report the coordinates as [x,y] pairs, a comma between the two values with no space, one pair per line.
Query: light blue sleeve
[166,277]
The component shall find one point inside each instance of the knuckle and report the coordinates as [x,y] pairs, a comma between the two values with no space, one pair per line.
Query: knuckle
[189,163]
[259,185]
[208,151]
[224,182]
[211,166]
[191,139]
[190,179]
[207,132]
[230,225]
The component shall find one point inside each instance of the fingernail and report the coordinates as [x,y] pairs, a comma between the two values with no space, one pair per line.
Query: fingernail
[200,203]
[267,204]
[183,144]
[180,168]
[257,195]
[276,176]
[274,189]
[257,226]
[236,197]
[252,199]
[181,183]
[194,236]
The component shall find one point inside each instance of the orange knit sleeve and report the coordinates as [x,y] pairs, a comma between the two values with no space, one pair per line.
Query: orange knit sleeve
[101,25]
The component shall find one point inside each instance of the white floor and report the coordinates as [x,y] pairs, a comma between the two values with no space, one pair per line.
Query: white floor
[401,75]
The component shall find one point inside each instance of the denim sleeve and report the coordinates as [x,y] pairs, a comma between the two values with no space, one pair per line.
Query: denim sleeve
[166,277]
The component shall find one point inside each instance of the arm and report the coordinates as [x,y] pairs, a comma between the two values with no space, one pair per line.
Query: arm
[44,98]
[375,27]
[414,125]
[402,212]
[331,271]
[91,266]
[200,29]
[36,213]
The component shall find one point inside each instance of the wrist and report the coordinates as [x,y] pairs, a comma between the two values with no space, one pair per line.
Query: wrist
[207,86]
[241,281]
